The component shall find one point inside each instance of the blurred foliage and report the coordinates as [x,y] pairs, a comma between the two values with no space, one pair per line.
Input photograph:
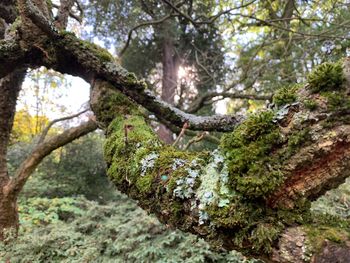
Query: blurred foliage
[335,202]
[75,169]
[257,47]
[26,126]
[78,230]
[200,52]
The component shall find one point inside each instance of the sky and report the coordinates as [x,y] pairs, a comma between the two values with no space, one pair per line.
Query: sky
[68,98]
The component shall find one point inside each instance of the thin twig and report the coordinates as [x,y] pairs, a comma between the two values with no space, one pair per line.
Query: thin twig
[185,126]
[48,127]
[196,139]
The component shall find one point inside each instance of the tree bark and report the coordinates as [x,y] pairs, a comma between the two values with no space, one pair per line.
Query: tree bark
[9,89]
[169,78]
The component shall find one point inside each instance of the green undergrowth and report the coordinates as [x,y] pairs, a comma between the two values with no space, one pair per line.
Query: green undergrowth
[78,230]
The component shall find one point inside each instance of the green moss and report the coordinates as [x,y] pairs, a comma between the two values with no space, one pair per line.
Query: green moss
[326,77]
[166,160]
[232,216]
[144,183]
[113,103]
[254,162]
[286,95]
[318,234]
[252,170]
[125,153]
[296,140]
[263,236]
[336,100]
[98,51]
[310,104]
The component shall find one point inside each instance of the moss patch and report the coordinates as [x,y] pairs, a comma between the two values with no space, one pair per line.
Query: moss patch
[252,170]
[286,95]
[310,104]
[99,52]
[326,77]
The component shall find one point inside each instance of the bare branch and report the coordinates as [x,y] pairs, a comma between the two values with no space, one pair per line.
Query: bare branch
[71,14]
[196,139]
[48,127]
[17,182]
[147,23]
[184,128]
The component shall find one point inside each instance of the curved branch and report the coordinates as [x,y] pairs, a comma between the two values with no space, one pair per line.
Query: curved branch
[89,62]
[147,23]
[16,184]
[48,127]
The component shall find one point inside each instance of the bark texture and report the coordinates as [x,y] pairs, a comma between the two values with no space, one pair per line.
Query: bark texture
[9,89]
[169,81]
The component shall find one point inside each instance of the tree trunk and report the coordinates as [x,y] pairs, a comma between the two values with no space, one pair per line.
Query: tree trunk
[9,89]
[169,81]
[9,221]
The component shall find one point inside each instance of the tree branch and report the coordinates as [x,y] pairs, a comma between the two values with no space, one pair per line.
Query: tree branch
[11,56]
[16,183]
[48,127]
[86,62]
[147,23]
[65,10]
[9,90]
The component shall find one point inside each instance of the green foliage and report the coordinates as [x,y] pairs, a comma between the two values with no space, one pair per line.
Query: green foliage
[76,169]
[263,236]
[115,232]
[335,202]
[326,77]
[44,211]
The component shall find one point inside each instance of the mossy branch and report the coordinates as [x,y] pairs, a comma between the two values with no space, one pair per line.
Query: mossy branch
[243,195]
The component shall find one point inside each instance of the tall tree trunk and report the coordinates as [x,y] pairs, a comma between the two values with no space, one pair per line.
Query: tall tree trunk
[9,89]
[169,82]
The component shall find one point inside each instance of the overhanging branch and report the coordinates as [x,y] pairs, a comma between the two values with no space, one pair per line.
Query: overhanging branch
[89,62]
